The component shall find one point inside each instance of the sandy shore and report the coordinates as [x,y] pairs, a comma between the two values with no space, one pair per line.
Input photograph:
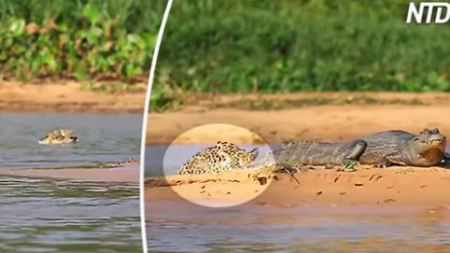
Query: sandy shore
[341,120]
[66,97]
[120,174]
[425,187]
[407,111]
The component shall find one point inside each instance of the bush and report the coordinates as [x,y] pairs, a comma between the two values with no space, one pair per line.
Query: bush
[82,39]
[301,45]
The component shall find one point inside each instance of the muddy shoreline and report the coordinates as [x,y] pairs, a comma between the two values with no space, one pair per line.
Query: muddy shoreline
[67,97]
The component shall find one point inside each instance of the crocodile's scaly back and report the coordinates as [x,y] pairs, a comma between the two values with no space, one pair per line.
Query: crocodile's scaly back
[379,145]
[314,153]
[395,147]
[321,153]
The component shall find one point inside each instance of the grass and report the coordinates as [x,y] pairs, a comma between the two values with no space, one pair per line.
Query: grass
[112,87]
[170,100]
[262,104]
[265,46]
[252,46]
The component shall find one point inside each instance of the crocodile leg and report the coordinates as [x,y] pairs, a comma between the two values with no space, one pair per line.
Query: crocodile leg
[396,159]
[380,162]
[353,154]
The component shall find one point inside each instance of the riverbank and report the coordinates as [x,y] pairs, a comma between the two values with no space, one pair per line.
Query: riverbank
[120,174]
[313,116]
[68,97]
[403,186]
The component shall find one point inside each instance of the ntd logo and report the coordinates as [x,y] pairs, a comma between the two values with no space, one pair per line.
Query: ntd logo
[440,12]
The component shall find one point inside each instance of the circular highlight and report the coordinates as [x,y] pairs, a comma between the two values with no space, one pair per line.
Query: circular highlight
[218,164]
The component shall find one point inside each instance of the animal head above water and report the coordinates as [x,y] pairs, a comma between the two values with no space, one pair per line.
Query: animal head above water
[61,136]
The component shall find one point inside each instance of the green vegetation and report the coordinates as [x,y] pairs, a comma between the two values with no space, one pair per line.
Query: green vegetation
[227,46]
[262,104]
[101,40]
[271,46]
[350,166]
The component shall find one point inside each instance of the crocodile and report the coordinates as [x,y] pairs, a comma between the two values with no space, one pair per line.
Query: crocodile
[395,147]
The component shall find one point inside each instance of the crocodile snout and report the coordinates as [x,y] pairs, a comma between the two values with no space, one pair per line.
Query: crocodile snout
[438,142]
[435,141]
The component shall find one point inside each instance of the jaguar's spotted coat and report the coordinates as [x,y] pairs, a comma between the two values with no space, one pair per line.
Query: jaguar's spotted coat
[222,157]
[59,136]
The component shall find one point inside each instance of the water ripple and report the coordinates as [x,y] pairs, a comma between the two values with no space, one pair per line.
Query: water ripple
[68,216]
